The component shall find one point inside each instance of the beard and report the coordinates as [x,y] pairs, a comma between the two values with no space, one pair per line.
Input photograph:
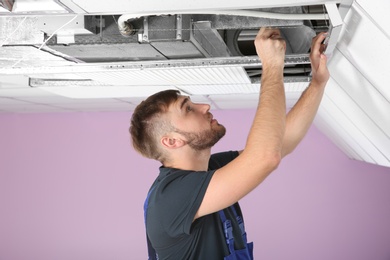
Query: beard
[205,139]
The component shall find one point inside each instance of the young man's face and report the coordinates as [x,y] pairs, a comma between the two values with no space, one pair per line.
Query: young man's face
[195,123]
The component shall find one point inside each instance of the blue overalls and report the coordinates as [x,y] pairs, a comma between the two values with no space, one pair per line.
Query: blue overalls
[242,254]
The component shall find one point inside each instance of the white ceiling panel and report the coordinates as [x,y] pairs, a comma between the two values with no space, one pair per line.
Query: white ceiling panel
[132,100]
[239,101]
[209,89]
[364,45]
[10,101]
[379,139]
[194,98]
[65,100]
[355,110]
[327,124]
[362,92]
[247,101]
[13,81]
[354,125]
[114,106]
[25,92]
[378,10]
[202,100]
[33,108]
[297,87]
[105,92]
[344,133]
[222,89]
[3,10]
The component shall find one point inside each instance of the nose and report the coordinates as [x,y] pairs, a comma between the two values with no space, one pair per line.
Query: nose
[204,108]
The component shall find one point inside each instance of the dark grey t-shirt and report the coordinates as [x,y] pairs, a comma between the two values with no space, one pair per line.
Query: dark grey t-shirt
[172,205]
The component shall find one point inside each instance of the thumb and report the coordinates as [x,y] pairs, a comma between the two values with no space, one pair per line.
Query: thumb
[322,73]
[323,57]
[323,60]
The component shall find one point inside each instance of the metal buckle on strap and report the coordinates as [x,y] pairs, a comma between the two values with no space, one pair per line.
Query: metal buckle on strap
[228,230]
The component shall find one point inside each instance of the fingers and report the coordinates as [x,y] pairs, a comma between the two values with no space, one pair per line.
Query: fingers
[267,32]
[316,44]
[270,47]
[322,48]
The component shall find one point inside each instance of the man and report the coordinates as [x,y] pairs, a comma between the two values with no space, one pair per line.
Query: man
[191,210]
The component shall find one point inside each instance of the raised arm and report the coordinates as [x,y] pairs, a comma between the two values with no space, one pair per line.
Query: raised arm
[301,116]
[263,150]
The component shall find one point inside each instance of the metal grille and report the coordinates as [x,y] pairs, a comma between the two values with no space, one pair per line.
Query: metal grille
[179,76]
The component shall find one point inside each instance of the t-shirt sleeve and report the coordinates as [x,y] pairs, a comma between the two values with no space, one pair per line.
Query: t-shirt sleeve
[219,160]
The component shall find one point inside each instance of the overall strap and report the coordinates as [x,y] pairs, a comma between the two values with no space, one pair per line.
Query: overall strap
[152,255]
[228,230]
[239,220]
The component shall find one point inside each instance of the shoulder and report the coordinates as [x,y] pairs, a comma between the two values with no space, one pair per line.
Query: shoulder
[219,160]
[176,184]
[177,196]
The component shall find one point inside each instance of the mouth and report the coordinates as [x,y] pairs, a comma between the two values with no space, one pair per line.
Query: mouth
[211,117]
[212,120]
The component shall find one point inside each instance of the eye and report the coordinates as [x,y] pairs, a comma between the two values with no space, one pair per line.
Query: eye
[189,109]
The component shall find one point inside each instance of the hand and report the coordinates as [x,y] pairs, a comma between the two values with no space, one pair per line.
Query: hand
[270,47]
[320,73]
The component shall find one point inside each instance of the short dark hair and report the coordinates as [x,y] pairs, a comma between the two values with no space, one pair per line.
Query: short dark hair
[148,125]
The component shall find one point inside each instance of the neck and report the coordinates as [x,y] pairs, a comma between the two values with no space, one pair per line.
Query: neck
[188,159]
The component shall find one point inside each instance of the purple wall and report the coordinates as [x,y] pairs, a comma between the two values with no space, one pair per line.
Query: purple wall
[71,187]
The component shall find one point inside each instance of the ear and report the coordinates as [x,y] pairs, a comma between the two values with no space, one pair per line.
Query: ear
[172,142]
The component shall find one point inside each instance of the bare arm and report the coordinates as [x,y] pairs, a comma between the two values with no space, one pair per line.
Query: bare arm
[301,116]
[263,150]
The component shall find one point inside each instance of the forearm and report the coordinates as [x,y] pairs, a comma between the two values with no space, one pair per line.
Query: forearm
[301,116]
[268,129]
